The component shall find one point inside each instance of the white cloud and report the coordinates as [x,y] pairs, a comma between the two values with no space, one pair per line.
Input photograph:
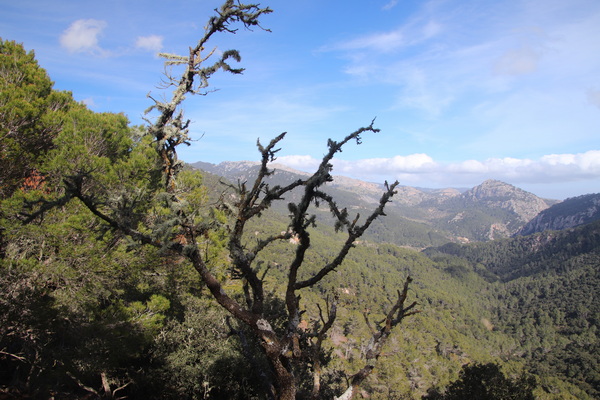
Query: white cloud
[587,163]
[302,163]
[506,165]
[152,43]
[82,36]
[89,102]
[420,169]
[558,168]
[413,163]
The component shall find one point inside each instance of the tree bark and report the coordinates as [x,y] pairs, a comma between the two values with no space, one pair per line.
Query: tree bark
[284,377]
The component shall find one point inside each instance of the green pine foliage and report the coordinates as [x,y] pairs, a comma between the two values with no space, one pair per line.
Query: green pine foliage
[545,299]
[486,382]
[86,311]
[31,115]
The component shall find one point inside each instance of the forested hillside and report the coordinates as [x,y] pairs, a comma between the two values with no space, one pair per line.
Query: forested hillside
[570,213]
[548,299]
[125,274]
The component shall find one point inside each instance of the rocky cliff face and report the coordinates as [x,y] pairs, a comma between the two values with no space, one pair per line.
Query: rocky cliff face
[570,213]
[497,194]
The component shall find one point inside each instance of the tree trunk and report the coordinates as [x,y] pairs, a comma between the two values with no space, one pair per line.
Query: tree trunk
[284,379]
[316,383]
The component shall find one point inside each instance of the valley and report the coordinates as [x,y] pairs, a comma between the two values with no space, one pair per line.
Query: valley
[487,290]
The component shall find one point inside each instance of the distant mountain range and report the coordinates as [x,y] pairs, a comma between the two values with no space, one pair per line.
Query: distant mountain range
[421,218]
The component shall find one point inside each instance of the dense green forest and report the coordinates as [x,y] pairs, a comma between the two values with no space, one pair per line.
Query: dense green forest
[546,297]
[100,298]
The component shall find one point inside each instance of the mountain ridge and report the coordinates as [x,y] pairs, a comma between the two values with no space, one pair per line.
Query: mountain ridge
[488,211]
[570,213]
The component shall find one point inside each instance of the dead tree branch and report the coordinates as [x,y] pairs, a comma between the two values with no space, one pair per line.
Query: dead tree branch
[379,337]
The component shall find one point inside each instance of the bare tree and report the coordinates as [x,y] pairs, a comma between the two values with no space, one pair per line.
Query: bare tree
[184,231]
[379,336]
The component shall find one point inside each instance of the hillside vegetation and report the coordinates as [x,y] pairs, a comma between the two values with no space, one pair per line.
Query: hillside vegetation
[546,297]
[86,310]
[570,213]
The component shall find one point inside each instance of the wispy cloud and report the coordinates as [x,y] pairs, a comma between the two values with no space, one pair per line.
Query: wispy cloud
[380,42]
[410,34]
[593,97]
[390,4]
[512,81]
[423,91]
[152,43]
[82,37]
[519,61]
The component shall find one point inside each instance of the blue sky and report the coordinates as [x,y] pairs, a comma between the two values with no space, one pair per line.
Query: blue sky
[462,90]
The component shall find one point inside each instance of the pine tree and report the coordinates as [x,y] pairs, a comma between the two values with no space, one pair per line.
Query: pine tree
[30,114]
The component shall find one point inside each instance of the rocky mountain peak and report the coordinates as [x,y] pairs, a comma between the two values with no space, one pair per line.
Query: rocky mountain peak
[498,194]
[492,188]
